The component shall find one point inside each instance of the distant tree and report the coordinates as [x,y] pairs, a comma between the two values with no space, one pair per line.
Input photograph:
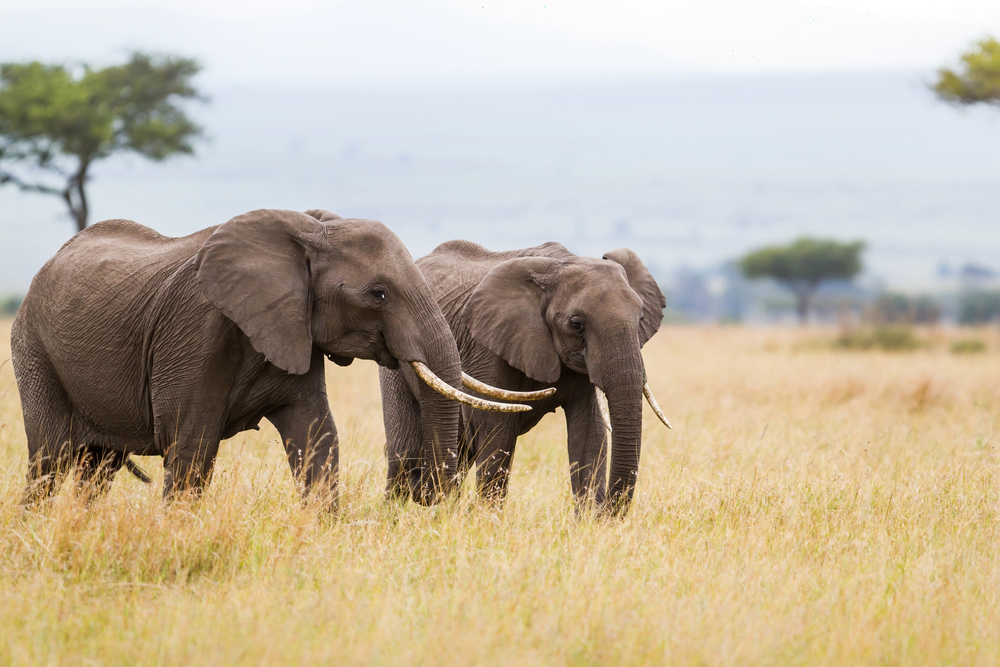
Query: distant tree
[54,124]
[895,308]
[979,307]
[978,78]
[9,304]
[803,266]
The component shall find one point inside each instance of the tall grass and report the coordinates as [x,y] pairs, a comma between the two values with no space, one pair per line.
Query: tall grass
[812,506]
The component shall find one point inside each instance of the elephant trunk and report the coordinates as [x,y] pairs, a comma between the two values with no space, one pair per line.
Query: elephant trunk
[439,414]
[622,382]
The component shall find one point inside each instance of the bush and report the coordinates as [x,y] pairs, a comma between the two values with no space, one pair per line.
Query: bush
[888,338]
[979,307]
[968,346]
[895,308]
[9,305]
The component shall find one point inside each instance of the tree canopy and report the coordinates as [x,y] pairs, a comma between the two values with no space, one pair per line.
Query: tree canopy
[804,265]
[979,307]
[978,78]
[55,123]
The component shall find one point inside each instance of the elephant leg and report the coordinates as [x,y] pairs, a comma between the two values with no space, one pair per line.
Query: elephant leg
[495,438]
[466,446]
[50,457]
[189,459]
[188,436]
[48,418]
[96,468]
[587,443]
[403,433]
[311,445]
[189,388]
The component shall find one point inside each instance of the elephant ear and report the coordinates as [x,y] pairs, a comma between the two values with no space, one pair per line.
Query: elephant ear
[642,281]
[254,269]
[322,215]
[504,314]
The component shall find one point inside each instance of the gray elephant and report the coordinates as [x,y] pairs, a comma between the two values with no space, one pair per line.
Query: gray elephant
[129,342]
[525,319]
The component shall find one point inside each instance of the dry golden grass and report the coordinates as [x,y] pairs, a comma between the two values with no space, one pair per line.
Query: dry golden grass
[812,506]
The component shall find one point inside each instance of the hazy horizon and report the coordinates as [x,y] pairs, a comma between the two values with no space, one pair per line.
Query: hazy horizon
[690,171]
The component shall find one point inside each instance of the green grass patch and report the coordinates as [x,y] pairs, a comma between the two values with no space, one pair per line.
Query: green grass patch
[887,338]
[968,346]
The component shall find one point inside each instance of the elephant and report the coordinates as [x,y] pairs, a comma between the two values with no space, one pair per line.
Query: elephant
[524,319]
[129,342]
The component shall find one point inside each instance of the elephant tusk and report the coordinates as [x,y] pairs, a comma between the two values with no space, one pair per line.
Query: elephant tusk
[602,405]
[494,392]
[653,404]
[445,389]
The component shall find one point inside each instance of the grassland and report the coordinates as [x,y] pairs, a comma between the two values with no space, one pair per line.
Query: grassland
[813,506]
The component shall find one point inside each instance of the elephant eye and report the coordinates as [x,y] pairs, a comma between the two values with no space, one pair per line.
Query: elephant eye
[378,294]
[577,325]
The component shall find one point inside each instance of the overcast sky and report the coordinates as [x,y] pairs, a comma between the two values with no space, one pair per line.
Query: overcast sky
[378,41]
[659,148]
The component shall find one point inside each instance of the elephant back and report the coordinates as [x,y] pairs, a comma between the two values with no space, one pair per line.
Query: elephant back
[454,269]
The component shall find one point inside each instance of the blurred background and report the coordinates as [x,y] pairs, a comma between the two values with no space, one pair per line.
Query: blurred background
[694,133]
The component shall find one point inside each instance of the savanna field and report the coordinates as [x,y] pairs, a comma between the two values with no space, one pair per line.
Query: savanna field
[812,506]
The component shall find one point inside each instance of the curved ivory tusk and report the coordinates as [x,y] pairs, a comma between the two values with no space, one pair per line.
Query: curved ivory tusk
[445,389]
[494,392]
[653,404]
[602,405]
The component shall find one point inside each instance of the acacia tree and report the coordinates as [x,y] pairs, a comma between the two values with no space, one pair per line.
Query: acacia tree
[978,80]
[54,124]
[803,266]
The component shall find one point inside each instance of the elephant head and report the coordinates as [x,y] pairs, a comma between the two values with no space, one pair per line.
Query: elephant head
[592,316]
[294,281]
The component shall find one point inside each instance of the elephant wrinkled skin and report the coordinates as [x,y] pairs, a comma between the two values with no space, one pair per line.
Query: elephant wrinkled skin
[130,342]
[524,320]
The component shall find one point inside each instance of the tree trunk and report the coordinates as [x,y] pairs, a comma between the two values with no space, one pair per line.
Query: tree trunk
[803,297]
[78,209]
[80,217]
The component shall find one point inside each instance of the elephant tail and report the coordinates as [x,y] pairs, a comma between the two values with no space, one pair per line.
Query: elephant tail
[131,466]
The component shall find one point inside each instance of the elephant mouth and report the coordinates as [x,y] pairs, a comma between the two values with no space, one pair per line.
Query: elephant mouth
[381,353]
[575,360]
[387,360]
[360,345]
[382,359]
[339,360]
